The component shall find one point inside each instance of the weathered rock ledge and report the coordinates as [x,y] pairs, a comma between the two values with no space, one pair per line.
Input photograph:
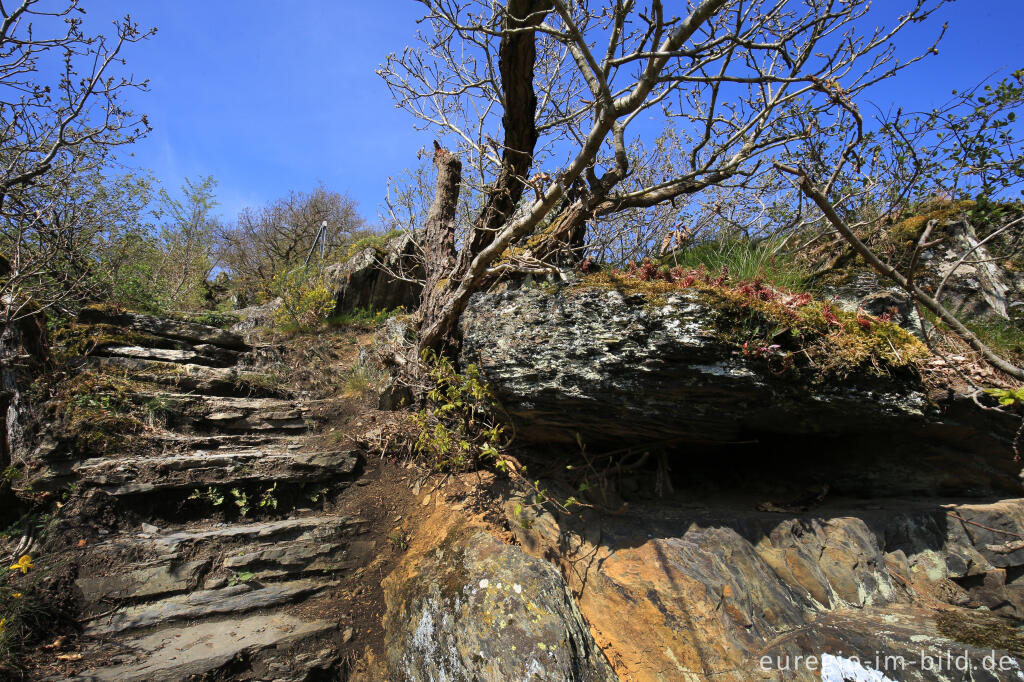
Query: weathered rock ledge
[611,365]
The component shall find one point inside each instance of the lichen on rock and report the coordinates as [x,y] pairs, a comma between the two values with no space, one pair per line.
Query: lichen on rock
[611,362]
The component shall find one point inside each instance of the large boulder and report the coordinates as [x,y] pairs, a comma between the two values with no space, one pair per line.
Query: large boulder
[475,608]
[977,270]
[731,594]
[379,278]
[611,365]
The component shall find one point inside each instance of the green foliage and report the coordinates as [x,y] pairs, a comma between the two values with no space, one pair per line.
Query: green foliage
[240,578]
[459,428]
[244,501]
[968,148]
[1007,396]
[96,412]
[210,496]
[27,609]
[377,242]
[366,317]
[398,541]
[306,298]
[744,260]
[1003,336]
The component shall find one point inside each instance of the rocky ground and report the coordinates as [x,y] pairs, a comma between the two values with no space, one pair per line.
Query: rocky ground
[244,536]
[228,513]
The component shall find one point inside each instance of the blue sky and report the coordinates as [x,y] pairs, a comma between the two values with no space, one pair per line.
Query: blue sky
[270,97]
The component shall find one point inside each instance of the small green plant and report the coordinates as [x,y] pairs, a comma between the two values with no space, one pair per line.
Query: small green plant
[397,540]
[459,428]
[267,498]
[1007,396]
[211,496]
[241,499]
[240,578]
[157,408]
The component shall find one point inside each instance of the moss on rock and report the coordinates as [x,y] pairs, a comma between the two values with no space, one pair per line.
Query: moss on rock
[790,331]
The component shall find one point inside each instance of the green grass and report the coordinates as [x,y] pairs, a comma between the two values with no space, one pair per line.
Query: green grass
[745,260]
[363,380]
[364,317]
[1004,337]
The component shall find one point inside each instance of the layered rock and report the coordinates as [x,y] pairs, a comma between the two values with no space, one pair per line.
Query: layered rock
[611,365]
[727,593]
[379,279]
[188,436]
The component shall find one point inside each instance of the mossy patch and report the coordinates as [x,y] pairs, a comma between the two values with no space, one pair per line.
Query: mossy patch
[96,413]
[377,242]
[790,332]
[902,238]
[80,340]
[982,630]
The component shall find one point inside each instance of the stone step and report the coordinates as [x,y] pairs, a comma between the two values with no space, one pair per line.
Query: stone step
[202,354]
[277,646]
[233,599]
[180,559]
[121,476]
[190,332]
[193,378]
[224,415]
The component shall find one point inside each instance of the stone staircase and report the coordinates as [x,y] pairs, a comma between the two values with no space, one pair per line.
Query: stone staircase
[166,593]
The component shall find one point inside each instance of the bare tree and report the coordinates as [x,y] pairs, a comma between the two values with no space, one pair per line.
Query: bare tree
[263,242]
[969,148]
[566,87]
[60,118]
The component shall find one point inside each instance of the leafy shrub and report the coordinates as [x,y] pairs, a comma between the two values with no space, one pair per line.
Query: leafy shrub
[306,299]
[459,427]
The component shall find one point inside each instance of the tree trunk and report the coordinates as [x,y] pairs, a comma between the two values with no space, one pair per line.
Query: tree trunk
[445,271]
[517,56]
[439,255]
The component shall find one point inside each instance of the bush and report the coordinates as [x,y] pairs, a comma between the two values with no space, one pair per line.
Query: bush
[306,299]
[459,428]
[366,317]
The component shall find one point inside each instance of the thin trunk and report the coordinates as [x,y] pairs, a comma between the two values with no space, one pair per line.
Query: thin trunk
[517,56]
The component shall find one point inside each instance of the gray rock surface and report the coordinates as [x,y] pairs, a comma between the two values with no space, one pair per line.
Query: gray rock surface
[378,280]
[195,650]
[611,366]
[478,609]
[190,332]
